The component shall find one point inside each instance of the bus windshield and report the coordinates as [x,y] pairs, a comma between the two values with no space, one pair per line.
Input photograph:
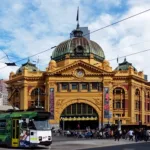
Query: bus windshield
[41,124]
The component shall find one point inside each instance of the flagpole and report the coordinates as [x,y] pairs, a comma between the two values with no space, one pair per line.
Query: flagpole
[117,59]
[77,19]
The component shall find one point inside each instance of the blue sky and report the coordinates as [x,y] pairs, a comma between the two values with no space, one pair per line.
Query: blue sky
[28,27]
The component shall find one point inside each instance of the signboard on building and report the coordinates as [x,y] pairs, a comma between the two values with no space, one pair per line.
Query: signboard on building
[51,103]
[106,103]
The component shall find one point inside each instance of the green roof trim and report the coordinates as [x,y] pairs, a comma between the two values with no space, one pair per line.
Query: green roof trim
[18,115]
[75,44]
[31,67]
[125,65]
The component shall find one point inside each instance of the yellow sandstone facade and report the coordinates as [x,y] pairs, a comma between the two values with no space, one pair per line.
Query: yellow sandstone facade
[73,87]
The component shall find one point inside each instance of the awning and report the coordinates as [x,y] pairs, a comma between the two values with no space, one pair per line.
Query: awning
[78,118]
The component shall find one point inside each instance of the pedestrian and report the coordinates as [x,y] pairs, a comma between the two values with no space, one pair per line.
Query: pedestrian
[117,135]
[136,133]
[130,135]
[147,135]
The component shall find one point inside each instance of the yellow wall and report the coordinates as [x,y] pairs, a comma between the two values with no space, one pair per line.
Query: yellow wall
[94,71]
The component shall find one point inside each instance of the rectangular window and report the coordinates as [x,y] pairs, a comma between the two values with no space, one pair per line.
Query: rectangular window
[123,103]
[84,109]
[147,118]
[84,86]
[69,109]
[94,85]
[118,105]
[58,88]
[117,91]
[73,109]
[148,106]
[90,110]
[100,86]
[137,105]
[137,116]
[74,86]
[78,108]
[64,86]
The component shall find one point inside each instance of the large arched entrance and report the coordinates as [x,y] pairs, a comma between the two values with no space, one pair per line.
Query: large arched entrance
[79,116]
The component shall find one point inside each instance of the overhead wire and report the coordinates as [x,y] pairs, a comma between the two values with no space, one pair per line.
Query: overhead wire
[130,54]
[118,22]
[2,57]
[90,33]
[5,54]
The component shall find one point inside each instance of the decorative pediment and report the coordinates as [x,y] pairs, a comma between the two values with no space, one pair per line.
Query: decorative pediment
[79,69]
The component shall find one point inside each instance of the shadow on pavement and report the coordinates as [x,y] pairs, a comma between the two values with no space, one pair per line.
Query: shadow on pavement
[22,148]
[135,146]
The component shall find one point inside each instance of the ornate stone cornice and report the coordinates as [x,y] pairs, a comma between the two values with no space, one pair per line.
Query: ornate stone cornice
[80,63]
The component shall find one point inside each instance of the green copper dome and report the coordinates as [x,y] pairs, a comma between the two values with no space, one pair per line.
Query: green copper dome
[31,67]
[78,47]
[125,65]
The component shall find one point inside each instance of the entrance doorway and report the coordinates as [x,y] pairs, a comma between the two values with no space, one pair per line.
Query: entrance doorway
[79,116]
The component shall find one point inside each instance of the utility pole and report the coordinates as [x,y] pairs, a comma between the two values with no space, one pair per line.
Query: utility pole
[38,97]
[38,92]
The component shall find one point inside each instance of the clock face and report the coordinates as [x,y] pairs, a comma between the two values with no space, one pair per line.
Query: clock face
[80,73]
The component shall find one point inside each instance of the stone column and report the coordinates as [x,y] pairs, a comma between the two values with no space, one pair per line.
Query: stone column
[70,88]
[89,87]
[47,96]
[143,105]
[132,103]
[79,86]
[24,96]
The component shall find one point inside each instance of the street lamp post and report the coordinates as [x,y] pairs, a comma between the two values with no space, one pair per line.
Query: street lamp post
[63,124]
[119,124]
[38,97]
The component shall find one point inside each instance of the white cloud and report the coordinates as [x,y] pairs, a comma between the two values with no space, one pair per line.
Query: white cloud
[38,25]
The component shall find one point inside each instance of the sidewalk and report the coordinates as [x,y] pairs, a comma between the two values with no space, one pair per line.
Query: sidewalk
[77,144]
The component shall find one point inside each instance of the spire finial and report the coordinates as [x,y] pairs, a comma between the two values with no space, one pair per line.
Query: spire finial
[28,59]
[77,19]
[77,32]
[125,59]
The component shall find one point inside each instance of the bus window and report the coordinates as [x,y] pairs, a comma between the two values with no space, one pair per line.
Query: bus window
[24,124]
[17,130]
[42,124]
[2,124]
[3,127]
[31,125]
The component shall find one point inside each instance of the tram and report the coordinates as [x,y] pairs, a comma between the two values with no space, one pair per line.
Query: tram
[30,128]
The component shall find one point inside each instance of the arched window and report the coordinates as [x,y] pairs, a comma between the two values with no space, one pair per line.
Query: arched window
[118,98]
[37,97]
[15,99]
[137,92]
[79,109]
[79,50]
[137,99]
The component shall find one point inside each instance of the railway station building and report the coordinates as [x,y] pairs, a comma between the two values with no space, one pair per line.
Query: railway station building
[80,87]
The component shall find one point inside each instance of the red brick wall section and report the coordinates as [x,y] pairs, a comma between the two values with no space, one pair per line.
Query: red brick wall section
[29,103]
[126,86]
[29,88]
